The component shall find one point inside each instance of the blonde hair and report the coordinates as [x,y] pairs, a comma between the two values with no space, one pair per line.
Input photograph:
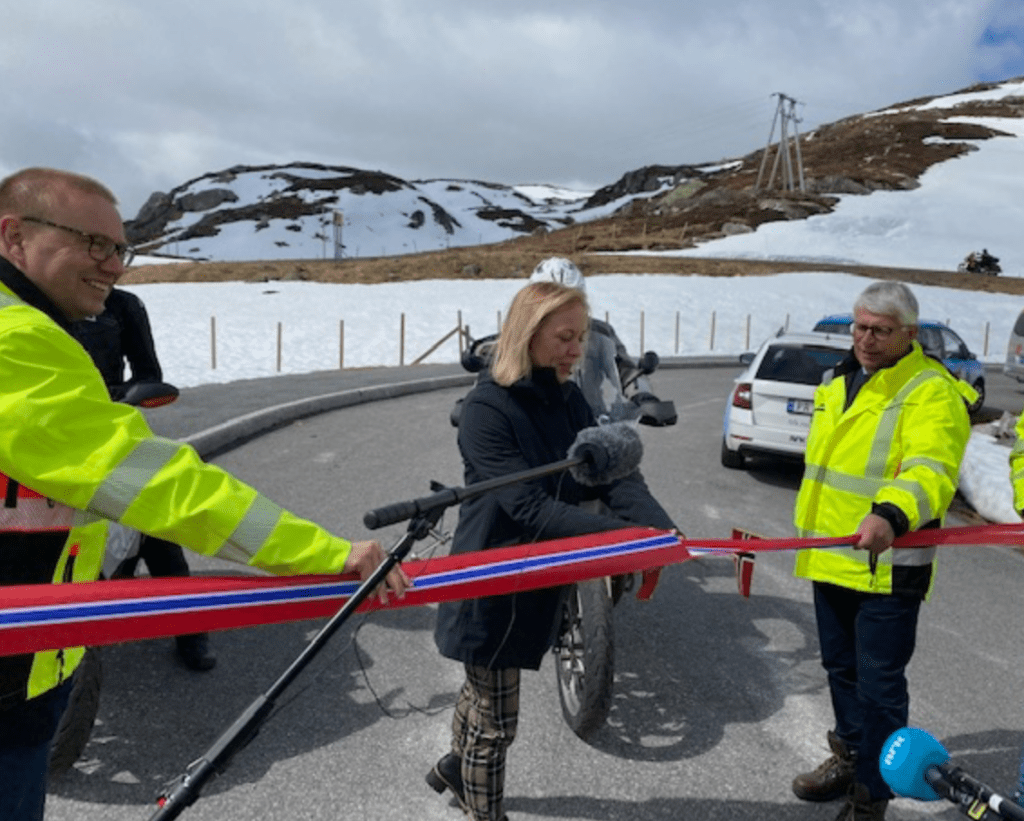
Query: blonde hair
[530,307]
[37,191]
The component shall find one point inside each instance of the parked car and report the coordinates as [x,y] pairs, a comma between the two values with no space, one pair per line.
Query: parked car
[769,407]
[939,341]
[1014,365]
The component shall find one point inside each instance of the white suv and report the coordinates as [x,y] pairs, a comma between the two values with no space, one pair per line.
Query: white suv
[769,408]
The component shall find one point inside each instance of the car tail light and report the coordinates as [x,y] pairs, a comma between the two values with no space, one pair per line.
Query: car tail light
[741,396]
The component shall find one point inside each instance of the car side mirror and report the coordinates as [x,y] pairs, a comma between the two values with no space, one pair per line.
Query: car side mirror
[746,358]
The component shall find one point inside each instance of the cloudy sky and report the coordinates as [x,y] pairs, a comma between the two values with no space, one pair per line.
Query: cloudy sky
[146,96]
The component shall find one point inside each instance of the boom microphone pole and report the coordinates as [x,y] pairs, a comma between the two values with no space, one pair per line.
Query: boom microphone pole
[184,790]
[599,455]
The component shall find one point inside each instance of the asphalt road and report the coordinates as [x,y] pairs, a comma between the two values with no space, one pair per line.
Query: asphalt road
[719,700]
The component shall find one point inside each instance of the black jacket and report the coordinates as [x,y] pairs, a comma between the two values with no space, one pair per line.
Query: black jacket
[121,332]
[508,430]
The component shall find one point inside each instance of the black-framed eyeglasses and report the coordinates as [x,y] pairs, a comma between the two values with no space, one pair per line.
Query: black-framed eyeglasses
[879,332]
[101,248]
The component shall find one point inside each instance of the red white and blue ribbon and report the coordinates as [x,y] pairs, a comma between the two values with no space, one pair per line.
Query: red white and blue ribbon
[40,617]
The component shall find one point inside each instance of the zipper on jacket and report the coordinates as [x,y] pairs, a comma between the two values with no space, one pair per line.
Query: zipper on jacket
[66,578]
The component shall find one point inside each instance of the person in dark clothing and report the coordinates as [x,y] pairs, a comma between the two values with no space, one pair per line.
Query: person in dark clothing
[122,332]
[524,413]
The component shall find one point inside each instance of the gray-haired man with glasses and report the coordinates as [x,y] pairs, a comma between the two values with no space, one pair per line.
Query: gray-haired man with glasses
[887,436]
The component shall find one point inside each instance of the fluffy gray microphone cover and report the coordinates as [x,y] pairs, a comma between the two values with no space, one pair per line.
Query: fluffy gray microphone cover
[609,452]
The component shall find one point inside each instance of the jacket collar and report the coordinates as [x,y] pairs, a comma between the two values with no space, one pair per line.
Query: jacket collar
[544,384]
[28,292]
[849,364]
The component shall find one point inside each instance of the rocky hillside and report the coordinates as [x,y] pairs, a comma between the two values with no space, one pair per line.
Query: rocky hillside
[466,229]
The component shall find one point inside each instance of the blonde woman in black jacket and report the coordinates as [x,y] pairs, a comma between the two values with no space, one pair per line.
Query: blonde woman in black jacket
[525,413]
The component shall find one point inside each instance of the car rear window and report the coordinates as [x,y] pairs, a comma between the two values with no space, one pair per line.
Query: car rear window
[833,327]
[803,366]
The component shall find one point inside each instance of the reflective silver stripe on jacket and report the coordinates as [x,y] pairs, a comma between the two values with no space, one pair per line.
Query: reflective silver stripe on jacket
[124,484]
[36,515]
[117,492]
[252,532]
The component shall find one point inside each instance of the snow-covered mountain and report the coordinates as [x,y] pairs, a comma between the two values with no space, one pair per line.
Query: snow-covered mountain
[311,211]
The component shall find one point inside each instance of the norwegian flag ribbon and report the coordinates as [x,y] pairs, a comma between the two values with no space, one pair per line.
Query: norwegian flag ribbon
[41,617]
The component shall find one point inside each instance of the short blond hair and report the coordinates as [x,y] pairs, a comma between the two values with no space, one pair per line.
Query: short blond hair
[37,191]
[530,307]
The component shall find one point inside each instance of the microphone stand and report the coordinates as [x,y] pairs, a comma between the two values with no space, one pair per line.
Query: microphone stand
[973,798]
[424,514]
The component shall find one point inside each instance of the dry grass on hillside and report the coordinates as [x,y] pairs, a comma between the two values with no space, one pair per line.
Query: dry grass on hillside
[518,257]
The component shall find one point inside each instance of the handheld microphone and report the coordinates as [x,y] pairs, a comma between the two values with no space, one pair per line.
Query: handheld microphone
[606,453]
[915,765]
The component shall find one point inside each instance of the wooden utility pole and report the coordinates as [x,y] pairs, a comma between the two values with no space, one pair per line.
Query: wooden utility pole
[785,113]
[339,248]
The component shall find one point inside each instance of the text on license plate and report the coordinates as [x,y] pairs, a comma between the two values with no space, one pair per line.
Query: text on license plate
[801,406]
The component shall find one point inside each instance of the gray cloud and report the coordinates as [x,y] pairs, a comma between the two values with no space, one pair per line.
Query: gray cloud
[147,96]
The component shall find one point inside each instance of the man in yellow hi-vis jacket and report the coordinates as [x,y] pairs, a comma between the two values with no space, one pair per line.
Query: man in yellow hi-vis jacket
[887,435]
[71,459]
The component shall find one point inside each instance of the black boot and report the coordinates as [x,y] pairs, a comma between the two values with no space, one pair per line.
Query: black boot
[194,651]
[833,777]
[446,774]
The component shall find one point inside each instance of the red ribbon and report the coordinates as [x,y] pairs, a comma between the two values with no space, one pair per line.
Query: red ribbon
[40,617]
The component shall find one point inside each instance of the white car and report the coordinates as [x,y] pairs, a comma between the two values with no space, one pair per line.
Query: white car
[769,407]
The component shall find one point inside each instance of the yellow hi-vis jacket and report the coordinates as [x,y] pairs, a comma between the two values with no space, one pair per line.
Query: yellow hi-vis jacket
[71,459]
[1017,467]
[900,443]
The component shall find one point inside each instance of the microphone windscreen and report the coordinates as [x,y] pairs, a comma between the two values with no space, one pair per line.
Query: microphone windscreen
[906,756]
[609,453]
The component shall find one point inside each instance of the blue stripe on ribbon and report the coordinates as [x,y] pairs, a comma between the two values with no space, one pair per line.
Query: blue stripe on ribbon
[511,567]
[193,602]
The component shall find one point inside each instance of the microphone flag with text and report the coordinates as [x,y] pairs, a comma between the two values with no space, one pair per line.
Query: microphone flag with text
[915,765]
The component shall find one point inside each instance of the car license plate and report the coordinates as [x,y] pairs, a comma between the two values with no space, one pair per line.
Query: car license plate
[802,406]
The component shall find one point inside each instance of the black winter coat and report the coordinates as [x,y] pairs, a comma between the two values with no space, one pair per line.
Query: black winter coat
[507,430]
[121,332]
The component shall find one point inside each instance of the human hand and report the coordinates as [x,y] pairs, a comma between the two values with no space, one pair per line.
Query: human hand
[365,557]
[874,534]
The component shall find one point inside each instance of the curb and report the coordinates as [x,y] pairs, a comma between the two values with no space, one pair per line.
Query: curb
[234,432]
[226,435]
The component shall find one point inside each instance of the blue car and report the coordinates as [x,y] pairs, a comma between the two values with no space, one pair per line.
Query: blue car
[939,341]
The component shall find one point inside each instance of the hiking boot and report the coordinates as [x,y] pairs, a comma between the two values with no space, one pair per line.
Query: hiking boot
[194,651]
[860,807]
[446,774]
[833,777]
